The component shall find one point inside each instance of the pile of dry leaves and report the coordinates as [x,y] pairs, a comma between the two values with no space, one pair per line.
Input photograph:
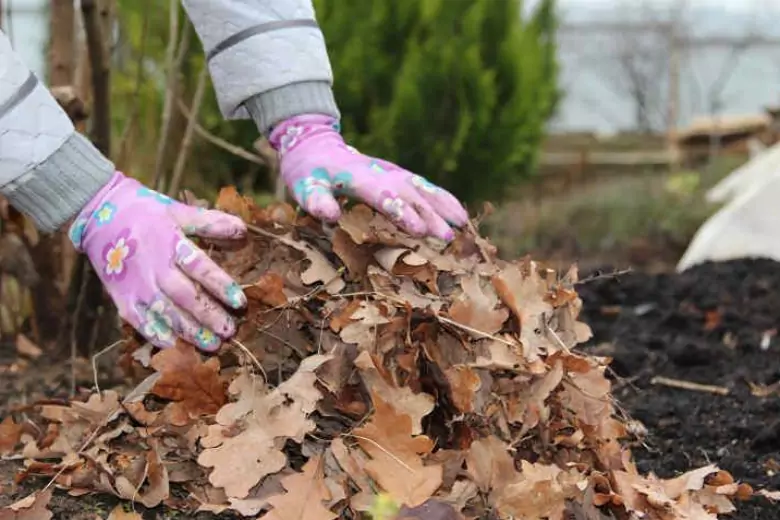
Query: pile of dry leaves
[370,367]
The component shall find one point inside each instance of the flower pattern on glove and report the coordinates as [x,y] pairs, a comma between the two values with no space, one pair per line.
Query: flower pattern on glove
[186,251]
[235,296]
[318,166]
[159,197]
[116,255]
[318,183]
[392,205]
[206,339]
[161,282]
[424,184]
[76,232]
[158,322]
[105,214]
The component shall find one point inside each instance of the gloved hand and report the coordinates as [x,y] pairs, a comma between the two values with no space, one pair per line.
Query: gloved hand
[135,239]
[317,165]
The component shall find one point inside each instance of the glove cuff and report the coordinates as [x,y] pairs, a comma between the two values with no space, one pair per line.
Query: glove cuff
[58,188]
[274,106]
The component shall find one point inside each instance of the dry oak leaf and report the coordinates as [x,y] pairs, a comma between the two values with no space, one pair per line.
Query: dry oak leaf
[246,444]
[32,507]
[524,295]
[365,226]
[489,464]
[10,435]
[540,491]
[356,259]
[533,408]
[690,481]
[155,475]
[588,396]
[361,330]
[476,307]
[195,387]
[230,201]
[404,399]
[319,269]
[268,289]
[396,464]
[306,494]
[119,513]
[774,496]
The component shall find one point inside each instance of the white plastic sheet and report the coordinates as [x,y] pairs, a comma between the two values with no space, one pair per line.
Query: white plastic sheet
[756,170]
[747,226]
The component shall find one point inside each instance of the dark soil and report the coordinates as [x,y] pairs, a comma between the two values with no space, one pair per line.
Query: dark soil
[714,324]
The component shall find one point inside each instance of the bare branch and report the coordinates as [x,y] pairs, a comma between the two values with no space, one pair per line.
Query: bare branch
[186,144]
[218,141]
[101,74]
[173,69]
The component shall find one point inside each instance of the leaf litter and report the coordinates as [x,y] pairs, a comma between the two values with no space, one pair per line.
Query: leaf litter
[369,366]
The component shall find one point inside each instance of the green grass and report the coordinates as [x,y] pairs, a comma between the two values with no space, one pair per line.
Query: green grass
[608,214]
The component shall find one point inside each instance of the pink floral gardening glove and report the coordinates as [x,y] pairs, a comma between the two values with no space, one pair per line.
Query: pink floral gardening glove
[135,239]
[317,166]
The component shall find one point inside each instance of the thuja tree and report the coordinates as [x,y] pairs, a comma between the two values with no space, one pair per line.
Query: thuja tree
[457,90]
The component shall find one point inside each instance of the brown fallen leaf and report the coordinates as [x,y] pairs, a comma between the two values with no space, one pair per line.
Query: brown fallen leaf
[405,401]
[194,386]
[539,491]
[396,464]
[477,307]
[119,513]
[246,443]
[774,496]
[230,201]
[31,507]
[269,290]
[523,294]
[26,347]
[489,464]
[306,494]
[10,435]
[319,270]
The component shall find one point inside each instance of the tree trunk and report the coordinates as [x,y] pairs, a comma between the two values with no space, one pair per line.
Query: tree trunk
[53,254]
[62,44]
[91,315]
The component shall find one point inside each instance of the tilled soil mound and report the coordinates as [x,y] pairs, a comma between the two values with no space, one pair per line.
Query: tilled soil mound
[716,325]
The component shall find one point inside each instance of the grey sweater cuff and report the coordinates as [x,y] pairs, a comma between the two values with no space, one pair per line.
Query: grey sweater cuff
[274,106]
[59,187]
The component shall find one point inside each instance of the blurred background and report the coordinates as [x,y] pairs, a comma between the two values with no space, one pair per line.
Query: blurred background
[579,130]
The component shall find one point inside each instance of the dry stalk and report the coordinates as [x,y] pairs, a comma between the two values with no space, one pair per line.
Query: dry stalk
[186,144]
[173,68]
[689,385]
[218,141]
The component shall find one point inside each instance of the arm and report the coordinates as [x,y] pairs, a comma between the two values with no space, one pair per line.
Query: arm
[267,58]
[47,170]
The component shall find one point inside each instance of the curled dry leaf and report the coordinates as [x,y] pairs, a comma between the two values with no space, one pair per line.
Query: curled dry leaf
[230,201]
[32,507]
[477,307]
[269,290]
[120,513]
[305,496]
[405,401]
[246,444]
[396,463]
[10,435]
